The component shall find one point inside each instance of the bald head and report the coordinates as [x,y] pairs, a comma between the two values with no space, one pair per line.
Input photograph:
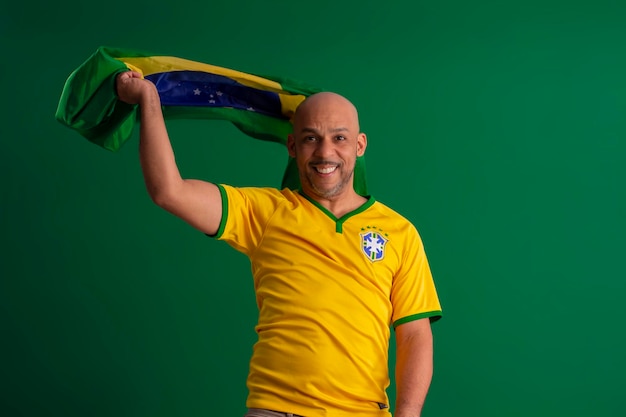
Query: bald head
[326,105]
[326,142]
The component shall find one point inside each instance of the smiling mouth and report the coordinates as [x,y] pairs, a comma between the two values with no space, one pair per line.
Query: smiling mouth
[325,170]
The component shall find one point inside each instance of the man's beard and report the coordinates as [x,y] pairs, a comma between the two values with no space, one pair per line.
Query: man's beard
[332,192]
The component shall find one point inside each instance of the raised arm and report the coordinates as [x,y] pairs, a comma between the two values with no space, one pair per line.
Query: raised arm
[414,366]
[197,202]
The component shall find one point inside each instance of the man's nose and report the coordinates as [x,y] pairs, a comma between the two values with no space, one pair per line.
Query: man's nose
[324,148]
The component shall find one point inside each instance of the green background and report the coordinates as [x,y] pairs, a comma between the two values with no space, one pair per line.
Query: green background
[497,127]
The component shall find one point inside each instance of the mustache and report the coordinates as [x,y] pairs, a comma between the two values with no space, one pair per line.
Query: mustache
[324,162]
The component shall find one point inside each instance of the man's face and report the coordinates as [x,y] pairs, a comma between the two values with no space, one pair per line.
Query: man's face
[325,143]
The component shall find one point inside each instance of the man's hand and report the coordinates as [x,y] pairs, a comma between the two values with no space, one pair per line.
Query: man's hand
[132,88]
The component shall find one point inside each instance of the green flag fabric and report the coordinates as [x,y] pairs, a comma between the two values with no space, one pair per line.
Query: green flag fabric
[261,107]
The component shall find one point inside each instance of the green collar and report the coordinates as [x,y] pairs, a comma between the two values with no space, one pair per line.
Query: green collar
[339,221]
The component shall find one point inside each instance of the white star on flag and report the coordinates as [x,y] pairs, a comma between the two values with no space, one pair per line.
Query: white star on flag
[196,92]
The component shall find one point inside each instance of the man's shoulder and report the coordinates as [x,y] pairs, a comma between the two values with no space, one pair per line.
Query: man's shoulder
[256,192]
[394,219]
[386,210]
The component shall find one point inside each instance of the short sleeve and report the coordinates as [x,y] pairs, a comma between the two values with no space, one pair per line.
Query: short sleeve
[245,214]
[413,292]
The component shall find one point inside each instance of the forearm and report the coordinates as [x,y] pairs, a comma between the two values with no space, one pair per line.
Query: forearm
[199,203]
[414,370]
[158,163]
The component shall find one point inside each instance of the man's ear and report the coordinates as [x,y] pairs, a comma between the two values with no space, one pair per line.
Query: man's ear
[361,144]
[291,146]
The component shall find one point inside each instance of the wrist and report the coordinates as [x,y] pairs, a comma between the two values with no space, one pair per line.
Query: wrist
[407,411]
[149,97]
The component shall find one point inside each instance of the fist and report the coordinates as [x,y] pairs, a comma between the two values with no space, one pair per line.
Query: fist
[132,88]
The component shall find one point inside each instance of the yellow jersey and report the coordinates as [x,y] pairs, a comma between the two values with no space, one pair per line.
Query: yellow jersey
[328,290]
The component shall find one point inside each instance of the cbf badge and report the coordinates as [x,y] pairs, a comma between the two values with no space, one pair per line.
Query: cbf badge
[373,245]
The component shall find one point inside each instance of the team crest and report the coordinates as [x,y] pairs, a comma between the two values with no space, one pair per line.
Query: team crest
[373,245]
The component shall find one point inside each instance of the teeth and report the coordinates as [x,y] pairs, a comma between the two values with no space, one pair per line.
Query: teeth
[326,170]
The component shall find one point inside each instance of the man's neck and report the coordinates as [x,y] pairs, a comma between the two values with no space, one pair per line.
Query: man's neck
[342,204]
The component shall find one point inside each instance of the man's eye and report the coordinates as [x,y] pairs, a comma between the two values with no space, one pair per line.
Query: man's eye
[309,138]
[340,137]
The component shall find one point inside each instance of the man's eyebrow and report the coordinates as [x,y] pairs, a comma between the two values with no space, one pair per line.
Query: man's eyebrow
[313,130]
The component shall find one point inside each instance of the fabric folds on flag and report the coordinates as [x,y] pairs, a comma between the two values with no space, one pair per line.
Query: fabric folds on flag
[261,107]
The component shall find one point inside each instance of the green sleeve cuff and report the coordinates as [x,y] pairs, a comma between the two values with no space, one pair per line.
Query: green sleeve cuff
[433,315]
[220,229]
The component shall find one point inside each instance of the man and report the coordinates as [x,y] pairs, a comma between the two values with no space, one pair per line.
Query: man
[332,269]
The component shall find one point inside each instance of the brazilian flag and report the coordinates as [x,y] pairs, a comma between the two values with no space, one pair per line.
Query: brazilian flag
[260,106]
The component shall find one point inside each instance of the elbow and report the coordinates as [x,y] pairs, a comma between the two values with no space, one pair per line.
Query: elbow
[162,197]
